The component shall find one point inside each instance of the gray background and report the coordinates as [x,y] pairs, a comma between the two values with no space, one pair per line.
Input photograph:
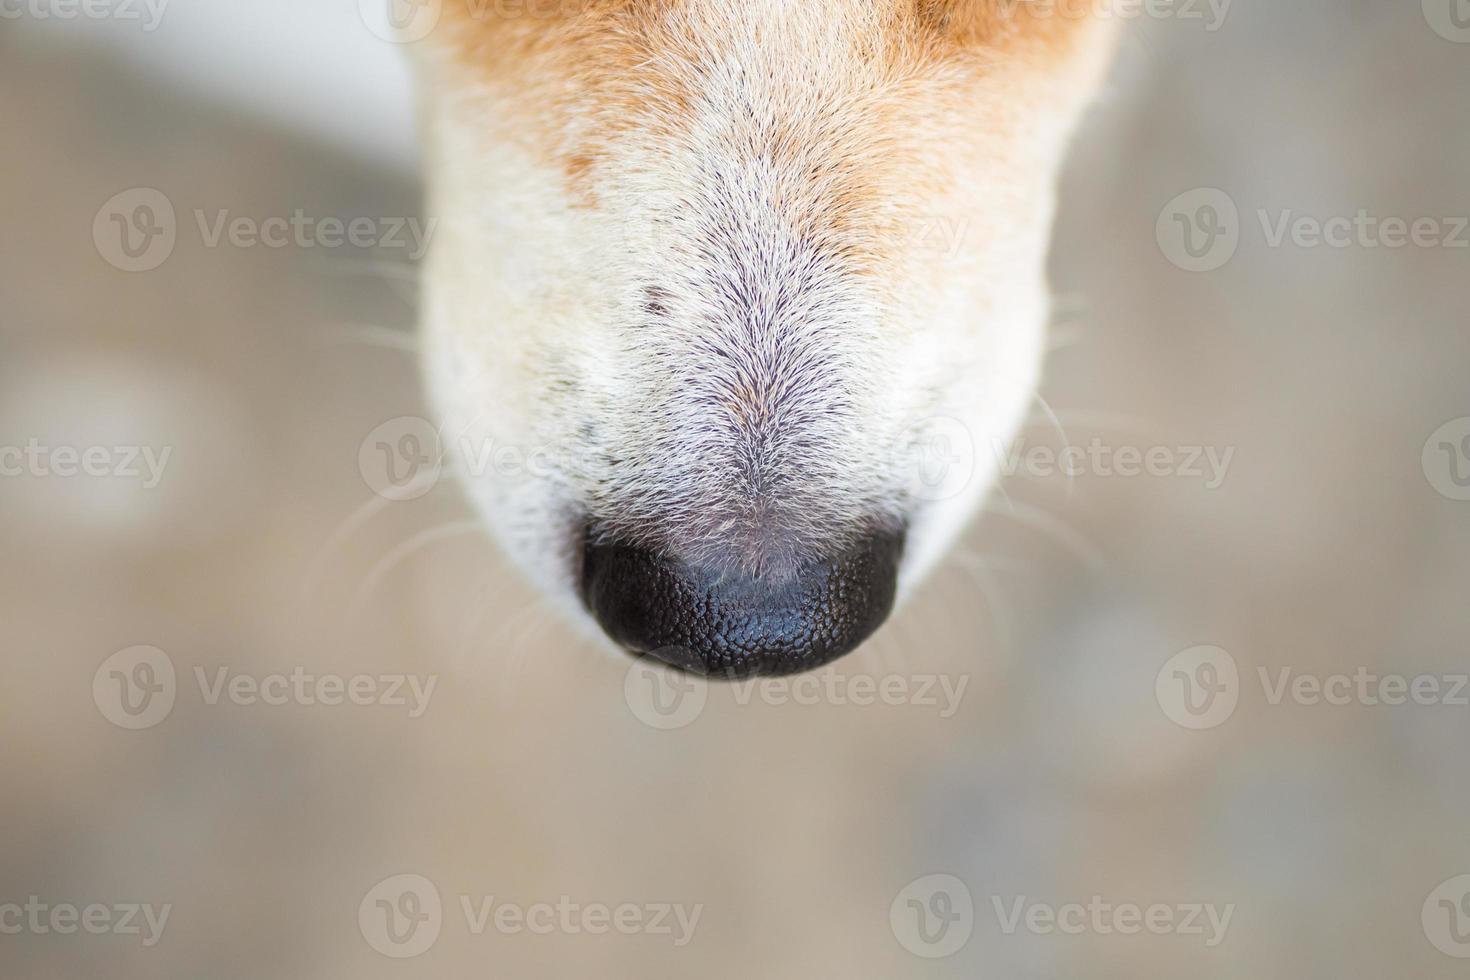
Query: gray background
[1326,549]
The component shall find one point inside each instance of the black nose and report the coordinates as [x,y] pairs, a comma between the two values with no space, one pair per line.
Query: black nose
[726,624]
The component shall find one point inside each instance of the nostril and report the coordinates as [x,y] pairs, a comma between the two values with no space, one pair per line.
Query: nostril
[733,625]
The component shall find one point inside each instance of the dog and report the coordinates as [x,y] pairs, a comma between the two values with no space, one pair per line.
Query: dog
[746,279]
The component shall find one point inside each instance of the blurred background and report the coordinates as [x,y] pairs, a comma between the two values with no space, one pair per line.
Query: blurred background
[310,731]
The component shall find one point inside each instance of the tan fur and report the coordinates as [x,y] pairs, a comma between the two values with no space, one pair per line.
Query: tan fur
[599,60]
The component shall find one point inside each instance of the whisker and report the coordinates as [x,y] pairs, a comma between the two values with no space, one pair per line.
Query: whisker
[402,278]
[1071,539]
[366,335]
[503,637]
[1100,422]
[369,509]
[1064,338]
[1005,494]
[1057,423]
[980,572]
[890,648]
[532,628]
[383,268]
[471,624]
[401,553]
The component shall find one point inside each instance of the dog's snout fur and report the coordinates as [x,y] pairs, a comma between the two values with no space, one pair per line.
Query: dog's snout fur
[728,258]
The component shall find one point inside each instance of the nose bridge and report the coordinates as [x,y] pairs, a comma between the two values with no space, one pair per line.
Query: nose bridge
[743,449]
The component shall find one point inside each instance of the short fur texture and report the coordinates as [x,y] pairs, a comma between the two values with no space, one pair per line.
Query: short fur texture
[718,263]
